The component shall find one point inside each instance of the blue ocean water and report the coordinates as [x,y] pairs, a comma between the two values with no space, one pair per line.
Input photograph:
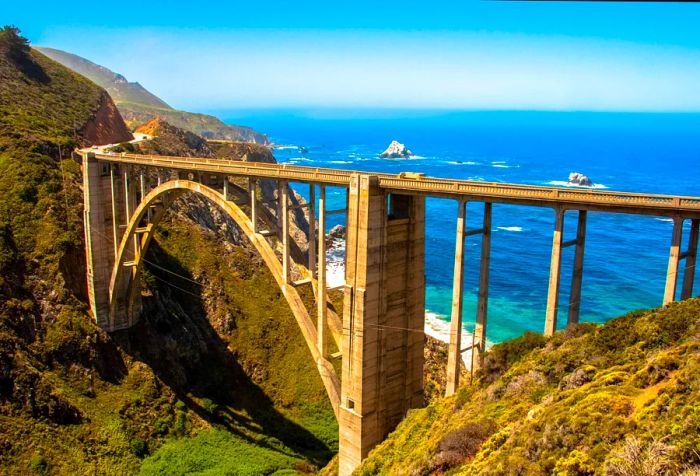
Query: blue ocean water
[625,257]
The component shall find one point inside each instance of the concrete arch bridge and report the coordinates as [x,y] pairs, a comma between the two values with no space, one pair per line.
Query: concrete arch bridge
[380,334]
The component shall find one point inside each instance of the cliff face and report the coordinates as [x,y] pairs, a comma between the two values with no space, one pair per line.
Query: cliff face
[106,126]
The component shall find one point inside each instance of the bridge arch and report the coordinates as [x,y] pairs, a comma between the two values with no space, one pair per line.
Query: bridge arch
[123,287]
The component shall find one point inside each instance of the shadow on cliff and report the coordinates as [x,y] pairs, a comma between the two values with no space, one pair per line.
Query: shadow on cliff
[175,338]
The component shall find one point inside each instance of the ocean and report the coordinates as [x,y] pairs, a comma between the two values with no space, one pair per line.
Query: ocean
[625,257]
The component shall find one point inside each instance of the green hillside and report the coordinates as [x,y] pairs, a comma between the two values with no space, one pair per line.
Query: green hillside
[620,399]
[216,359]
[138,106]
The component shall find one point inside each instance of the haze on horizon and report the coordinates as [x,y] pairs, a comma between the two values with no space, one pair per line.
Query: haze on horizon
[475,55]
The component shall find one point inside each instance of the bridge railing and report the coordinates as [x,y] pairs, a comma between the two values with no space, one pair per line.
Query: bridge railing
[505,192]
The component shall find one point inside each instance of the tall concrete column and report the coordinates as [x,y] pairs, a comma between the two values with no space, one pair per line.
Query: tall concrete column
[673,260]
[577,276]
[322,306]
[99,235]
[253,203]
[690,260]
[455,345]
[479,344]
[284,210]
[312,229]
[383,317]
[550,325]
[116,233]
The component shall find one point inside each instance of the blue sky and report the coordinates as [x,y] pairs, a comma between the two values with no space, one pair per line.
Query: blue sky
[453,55]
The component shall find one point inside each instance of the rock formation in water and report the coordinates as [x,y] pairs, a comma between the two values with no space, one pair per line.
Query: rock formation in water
[576,178]
[396,150]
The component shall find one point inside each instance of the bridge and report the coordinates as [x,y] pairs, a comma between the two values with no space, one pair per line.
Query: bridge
[380,334]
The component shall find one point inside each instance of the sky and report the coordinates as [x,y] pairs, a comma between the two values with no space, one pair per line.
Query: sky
[434,54]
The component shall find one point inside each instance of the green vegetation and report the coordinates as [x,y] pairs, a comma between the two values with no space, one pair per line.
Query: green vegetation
[138,106]
[617,399]
[75,400]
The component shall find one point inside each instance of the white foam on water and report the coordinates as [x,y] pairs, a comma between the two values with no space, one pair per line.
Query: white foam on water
[665,220]
[458,162]
[563,183]
[340,161]
[504,166]
[335,264]
[510,228]
[438,328]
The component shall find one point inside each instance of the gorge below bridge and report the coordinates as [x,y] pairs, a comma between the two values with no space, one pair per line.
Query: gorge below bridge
[380,335]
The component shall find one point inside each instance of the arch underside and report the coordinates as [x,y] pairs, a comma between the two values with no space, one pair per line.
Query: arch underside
[124,286]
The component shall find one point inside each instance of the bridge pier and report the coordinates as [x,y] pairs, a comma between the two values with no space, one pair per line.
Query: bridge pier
[321,304]
[478,346]
[675,256]
[383,317]
[558,244]
[101,234]
[455,345]
[690,260]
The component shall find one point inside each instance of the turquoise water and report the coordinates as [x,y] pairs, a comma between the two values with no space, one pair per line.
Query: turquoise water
[626,256]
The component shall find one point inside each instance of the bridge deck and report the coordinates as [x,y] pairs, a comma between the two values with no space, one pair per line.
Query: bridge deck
[583,199]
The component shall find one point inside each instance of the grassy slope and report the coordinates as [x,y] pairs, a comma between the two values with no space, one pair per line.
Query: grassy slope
[583,402]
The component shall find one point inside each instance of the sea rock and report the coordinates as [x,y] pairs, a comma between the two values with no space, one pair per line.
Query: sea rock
[396,150]
[335,237]
[338,231]
[577,178]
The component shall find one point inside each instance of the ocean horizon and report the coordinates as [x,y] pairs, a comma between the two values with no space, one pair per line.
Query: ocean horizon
[625,257]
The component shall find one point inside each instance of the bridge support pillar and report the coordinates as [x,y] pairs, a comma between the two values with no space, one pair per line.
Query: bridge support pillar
[479,344]
[99,235]
[550,325]
[577,276]
[673,260]
[690,260]
[322,306]
[383,317]
[455,345]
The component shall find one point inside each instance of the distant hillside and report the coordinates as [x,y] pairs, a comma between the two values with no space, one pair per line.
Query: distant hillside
[116,85]
[138,105]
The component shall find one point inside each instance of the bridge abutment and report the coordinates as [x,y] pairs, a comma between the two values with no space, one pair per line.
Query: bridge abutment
[383,318]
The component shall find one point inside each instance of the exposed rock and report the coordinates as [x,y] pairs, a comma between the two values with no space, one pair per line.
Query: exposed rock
[396,150]
[106,125]
[174,140]
[576,178]
[338,231]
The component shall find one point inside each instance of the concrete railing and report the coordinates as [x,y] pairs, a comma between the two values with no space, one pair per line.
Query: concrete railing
[640,203]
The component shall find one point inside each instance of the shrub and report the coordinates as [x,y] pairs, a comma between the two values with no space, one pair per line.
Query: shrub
[635,458]
[463,443]
[38,464]
[138,447]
